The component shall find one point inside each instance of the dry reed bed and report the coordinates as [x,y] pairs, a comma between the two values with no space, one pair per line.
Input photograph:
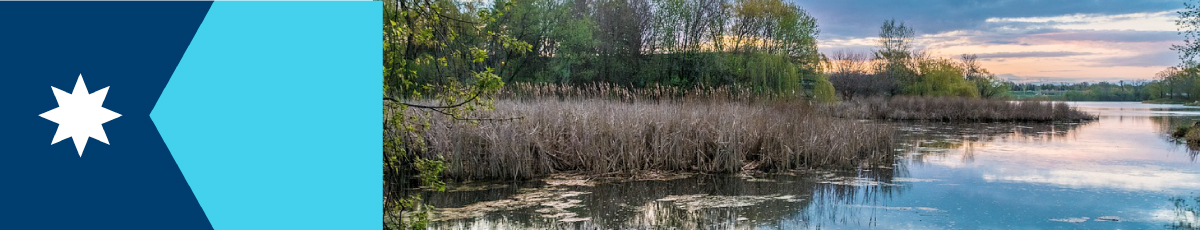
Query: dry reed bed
[653,93]
[605,136]
[954,109]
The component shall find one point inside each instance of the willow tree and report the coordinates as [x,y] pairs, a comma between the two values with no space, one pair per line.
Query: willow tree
[940,77]
[783,29]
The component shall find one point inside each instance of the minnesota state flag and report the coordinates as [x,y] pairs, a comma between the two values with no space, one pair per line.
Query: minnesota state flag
[189,115]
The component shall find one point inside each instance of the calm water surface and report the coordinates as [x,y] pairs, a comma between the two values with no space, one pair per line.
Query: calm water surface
[1120,172]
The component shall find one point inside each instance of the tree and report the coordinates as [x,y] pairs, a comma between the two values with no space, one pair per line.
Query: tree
[940,77]
[1181,83]
[679,43]
[985,82]
[895,53]
[441,52]
[851,75]
[895,41]
[1189,26]
[619,31]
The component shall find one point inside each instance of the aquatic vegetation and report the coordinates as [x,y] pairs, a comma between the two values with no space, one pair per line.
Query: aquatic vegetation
[1180,131]
[955,109]
[695,202]
[700,201]
[1187,213]
[1188,134]
[550,202]
[605,136]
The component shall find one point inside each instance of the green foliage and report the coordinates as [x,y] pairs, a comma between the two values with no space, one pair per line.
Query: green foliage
[985,82]
[895,55]
[823,90]
[1181,84]
[991,87]
[1189,26]
[897,69]
[940,77]
[1187,213]
[1180,131]
[1176,84]
[443,52]
[769,45]
[429,170]
[418,215]
[767,73]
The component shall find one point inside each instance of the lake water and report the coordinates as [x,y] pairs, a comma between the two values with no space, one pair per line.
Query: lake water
[1122,171]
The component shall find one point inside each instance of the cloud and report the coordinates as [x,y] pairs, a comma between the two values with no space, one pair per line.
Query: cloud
[1058,71]
[1031,54]
[1109,36]
[1062,79]
[1005,42]
[1155,59]
[1143,21]
[1037,40]
[1037,79]
[1087,18]
[860,18]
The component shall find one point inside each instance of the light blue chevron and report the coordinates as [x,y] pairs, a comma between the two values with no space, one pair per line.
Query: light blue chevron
[273,115]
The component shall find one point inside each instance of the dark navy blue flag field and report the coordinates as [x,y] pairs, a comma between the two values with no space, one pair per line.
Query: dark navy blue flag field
[131,46]
[79,149]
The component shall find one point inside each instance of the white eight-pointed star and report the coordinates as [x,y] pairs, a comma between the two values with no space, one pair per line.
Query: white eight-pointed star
[79,115]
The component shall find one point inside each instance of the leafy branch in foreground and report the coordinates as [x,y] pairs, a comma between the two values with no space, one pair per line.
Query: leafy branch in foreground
[443,52]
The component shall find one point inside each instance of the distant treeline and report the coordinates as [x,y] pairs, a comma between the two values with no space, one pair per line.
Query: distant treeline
[1172,85]
[1085,91]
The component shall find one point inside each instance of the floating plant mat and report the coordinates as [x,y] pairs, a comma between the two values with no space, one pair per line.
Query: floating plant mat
[702,201]
[551,201]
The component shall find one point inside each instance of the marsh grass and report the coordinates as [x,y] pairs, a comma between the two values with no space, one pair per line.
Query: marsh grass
[955,109]
[607,130]
[606,136]
[653,93]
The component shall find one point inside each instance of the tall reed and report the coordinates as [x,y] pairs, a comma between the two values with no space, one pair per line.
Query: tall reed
[653,93]
[605,136]
[954,109]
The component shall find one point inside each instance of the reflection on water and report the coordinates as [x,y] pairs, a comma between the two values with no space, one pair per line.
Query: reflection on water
[1120,172]
[695,202]
[1187,213]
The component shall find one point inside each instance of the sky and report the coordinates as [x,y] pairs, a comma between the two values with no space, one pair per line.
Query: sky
[1020,40]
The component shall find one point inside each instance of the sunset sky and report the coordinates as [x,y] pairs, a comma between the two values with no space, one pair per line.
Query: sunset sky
[1019,40]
